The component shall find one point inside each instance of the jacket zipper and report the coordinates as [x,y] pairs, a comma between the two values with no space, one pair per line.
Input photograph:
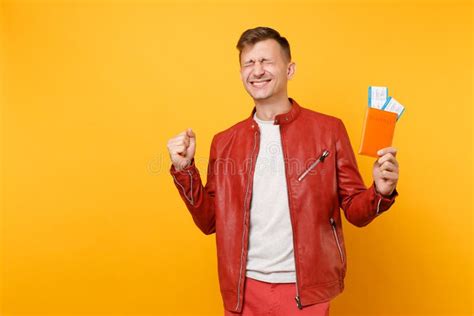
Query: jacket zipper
[191,199]
[333,225]
[297,297]
[378,206]
[243,230]
[314,164]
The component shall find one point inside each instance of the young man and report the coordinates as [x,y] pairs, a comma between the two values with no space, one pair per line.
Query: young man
[275,184]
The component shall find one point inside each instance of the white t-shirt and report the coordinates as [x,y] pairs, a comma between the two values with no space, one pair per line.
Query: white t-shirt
[270,255]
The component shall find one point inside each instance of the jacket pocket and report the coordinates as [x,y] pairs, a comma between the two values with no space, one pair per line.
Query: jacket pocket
[336,238]
[314,164]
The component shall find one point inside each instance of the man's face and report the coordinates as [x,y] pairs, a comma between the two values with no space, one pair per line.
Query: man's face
[265,70]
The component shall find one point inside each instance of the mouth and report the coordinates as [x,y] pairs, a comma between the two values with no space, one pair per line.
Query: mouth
[260,83]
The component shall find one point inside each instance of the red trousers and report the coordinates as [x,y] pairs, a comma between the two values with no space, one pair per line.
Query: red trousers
[275,299]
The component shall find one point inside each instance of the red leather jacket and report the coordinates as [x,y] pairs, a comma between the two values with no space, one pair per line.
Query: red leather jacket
[322,177]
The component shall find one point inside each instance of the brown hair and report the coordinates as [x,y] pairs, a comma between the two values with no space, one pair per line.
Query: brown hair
[261,33]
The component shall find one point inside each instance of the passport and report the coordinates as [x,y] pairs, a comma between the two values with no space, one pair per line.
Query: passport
[377,132]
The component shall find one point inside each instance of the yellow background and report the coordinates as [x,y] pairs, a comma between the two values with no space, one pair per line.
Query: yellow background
[91,92]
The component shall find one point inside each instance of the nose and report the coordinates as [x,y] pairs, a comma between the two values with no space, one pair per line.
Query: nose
[258,69]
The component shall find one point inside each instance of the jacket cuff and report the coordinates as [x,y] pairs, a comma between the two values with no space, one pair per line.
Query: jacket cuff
[190,167]
[383,202]
[185,179]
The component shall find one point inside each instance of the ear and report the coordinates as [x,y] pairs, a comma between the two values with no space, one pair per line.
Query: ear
[241,74]
[291,70]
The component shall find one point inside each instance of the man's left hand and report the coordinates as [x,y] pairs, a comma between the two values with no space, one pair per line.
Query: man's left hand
[385,171]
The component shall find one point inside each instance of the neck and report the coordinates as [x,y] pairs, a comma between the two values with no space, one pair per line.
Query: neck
[267,109]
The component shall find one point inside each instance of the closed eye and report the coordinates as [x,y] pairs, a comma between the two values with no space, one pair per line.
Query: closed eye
[249,62]
[262,60]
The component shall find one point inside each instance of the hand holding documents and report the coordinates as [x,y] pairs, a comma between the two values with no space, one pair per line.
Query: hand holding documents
[379,124]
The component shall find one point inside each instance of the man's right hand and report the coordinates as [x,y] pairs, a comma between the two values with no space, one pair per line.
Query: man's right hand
[182,148]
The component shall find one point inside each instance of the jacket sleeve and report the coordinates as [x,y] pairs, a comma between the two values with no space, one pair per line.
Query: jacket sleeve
[199,199]
[359,203]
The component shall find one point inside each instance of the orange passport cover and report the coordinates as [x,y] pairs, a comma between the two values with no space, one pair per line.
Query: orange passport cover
[377,133]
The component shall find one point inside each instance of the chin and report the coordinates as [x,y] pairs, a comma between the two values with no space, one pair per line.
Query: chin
[259,96]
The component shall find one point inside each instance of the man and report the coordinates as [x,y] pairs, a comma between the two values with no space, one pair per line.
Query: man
[275,184]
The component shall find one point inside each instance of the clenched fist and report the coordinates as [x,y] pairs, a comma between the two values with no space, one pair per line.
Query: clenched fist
[182,148]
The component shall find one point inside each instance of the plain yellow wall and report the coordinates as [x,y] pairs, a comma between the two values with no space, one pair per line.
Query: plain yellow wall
[2,180]
[91,221]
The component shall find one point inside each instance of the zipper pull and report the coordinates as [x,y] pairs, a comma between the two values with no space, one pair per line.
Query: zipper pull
[333,223]
[324,155]
[298,303]
[320,159]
